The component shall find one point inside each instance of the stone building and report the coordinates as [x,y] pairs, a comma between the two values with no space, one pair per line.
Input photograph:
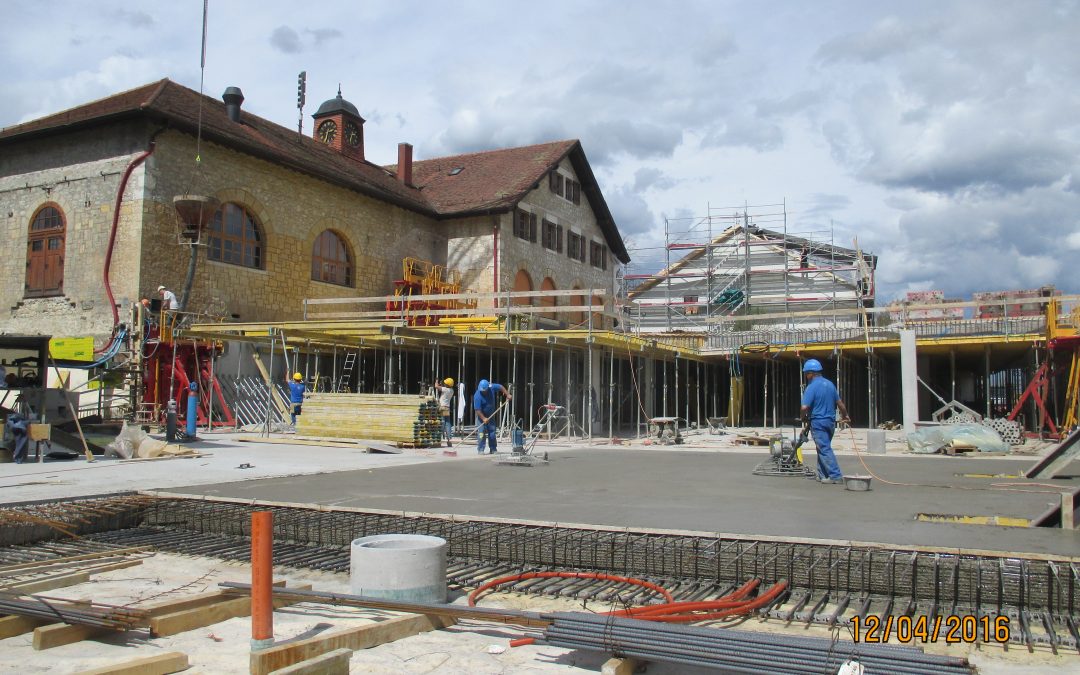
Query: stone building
[88,195]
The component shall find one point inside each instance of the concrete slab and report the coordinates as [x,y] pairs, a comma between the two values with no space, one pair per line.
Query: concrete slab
[223,461]
[701,491]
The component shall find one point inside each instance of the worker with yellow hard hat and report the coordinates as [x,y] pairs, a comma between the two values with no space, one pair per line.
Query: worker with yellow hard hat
[444,391]
[296,395]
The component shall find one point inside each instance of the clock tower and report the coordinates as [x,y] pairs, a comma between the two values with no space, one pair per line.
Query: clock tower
[339,125]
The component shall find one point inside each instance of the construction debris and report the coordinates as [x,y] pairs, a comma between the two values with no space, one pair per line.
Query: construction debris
[951,438]
[408,420]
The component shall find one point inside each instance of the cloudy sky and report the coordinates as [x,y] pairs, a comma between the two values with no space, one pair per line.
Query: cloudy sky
[945,136]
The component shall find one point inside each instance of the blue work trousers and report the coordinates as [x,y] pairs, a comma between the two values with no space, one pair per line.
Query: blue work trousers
[447,427]
[822,431]
[485,433]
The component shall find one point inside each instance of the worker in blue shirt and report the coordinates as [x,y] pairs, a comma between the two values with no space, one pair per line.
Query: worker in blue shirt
[296,395]
[820,402]
[484,405]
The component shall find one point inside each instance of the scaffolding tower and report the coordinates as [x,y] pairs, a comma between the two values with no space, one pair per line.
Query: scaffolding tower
[742,261]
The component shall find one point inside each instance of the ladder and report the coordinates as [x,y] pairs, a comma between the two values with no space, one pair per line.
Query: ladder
[342,385]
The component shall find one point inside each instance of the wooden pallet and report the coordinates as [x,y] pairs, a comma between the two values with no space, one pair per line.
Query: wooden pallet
[756,441]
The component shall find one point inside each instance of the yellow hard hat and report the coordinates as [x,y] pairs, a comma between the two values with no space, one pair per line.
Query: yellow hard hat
[448,381]
[297,376]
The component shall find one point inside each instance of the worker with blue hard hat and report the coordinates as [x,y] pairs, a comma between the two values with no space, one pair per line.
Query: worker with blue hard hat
[486,410]
[820,401]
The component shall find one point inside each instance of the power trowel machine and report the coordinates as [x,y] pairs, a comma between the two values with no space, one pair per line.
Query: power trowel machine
[785,457]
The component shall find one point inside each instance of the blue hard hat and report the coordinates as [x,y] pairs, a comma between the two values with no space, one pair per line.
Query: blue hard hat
[485,385]
[812,366]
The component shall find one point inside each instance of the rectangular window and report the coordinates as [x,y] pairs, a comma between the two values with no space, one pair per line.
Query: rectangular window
[552,236]
[575,247]
[598,255]
[525,225]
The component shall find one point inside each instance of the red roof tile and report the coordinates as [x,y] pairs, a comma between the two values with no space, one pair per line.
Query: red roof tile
[496,179]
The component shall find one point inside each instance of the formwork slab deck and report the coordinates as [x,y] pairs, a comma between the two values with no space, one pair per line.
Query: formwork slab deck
[697,491]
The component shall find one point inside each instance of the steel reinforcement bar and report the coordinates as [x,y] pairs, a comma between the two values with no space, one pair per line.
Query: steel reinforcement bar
[946,580]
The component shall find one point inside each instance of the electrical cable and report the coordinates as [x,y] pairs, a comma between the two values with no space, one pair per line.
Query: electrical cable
[994,487]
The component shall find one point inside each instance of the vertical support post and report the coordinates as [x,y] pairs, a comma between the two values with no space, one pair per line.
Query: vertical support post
[1068,511]
[611,396]
[664,377]
[667,272]
[532,381]
[952,373]
[262,570]
[269,385]
[986,380]
[909,380]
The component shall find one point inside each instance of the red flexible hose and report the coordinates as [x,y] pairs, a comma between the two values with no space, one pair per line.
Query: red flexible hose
[566,575]
[732,604]
[112,233]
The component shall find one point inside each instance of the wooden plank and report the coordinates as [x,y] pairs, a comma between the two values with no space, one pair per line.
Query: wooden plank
[59,634]
[173,605]
[301,441]
[278,403]
[266,661]
[6,569]
[330,663]
[10,626]
[207,615]
[50,583]
[161,664]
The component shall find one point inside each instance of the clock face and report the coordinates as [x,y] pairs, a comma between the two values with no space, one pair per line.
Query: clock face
[328,131]
[352,134]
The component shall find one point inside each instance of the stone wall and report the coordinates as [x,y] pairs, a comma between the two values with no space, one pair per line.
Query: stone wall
[541,263]
[292,209]
[79,173]
[470,249]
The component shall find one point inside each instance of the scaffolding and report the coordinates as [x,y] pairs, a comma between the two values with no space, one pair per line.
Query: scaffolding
[741,261]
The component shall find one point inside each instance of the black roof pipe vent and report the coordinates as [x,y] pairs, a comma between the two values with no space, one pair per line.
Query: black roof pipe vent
[233,97]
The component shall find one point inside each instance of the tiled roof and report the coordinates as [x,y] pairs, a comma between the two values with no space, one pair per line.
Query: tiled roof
[496,180]
[489,182]
[178,106]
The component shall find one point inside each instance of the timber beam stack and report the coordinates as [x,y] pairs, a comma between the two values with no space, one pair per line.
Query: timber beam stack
[397,418]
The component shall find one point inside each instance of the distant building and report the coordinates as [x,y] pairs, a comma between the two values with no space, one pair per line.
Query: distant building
[748,271]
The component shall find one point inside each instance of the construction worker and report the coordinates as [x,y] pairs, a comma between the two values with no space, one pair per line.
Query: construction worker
[296,395]
[168,299]
[444,391]
[484,405]
[820,402]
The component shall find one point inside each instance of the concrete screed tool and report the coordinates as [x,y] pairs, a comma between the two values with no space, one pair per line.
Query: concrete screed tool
[521,455]
[785,458]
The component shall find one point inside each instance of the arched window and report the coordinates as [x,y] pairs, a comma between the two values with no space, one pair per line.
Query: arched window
[45,253]
[522,282]
[330,260]
[236,237]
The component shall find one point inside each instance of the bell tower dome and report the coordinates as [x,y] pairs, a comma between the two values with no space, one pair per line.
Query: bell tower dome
[338,124]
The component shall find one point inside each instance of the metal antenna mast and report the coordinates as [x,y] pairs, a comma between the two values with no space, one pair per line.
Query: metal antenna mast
[301,99]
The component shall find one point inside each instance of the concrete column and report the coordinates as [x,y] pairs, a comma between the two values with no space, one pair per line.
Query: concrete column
[909,383]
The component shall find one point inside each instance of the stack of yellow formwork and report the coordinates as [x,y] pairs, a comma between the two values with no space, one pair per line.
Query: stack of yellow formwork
[403,419]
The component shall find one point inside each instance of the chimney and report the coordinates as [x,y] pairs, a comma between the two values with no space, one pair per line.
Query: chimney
[233,97]
[404,163]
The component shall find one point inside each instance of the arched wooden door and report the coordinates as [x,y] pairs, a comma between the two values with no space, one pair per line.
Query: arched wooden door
[45,253]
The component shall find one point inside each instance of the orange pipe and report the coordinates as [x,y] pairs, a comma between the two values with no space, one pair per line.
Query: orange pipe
[262,572]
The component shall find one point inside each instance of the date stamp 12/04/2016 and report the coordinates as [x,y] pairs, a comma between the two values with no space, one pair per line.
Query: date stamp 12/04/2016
[951,629]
